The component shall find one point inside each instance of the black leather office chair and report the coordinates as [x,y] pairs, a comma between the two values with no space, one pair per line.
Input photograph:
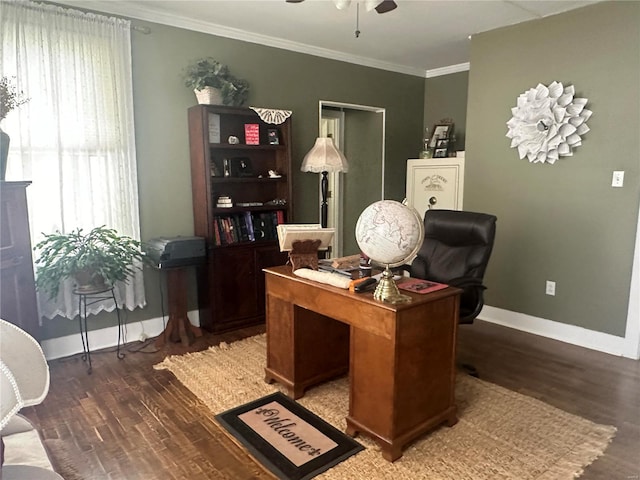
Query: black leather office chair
[456,250]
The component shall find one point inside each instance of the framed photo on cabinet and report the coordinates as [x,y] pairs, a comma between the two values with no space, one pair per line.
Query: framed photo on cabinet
[440,132]
[435,183]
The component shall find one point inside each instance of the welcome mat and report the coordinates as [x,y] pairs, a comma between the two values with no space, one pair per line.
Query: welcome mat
[500,434]
[288,439]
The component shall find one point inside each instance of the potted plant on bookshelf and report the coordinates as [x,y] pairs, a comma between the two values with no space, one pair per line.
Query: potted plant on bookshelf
[96,260]
[213,84]
[10,98]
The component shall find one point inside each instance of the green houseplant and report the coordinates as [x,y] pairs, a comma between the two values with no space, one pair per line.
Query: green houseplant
[96,259]
[207,73]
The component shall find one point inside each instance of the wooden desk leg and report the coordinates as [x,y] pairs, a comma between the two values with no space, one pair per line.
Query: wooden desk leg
[179,328]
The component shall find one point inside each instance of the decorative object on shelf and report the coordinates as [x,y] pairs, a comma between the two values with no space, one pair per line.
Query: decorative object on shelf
[241,167]
[10,98]
[273,137]
[214,128]
[441,130]
[442,147]
[97,260]
[224,202]
[233,140]
[389,233]
[272,115]
[324,157]
[548,122]
[426,151]
[207,75]
[274,174]
[252,134]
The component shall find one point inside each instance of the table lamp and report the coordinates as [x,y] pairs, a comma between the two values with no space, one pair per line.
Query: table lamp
[323,158]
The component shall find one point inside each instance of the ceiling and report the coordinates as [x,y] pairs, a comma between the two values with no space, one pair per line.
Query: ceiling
[420,37]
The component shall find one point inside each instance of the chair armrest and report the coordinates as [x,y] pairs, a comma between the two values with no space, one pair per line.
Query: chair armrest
[472,297]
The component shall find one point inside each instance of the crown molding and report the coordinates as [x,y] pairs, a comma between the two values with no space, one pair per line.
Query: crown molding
[132,11]
[437,72]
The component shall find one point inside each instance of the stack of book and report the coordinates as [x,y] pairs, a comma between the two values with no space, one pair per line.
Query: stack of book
[224,202]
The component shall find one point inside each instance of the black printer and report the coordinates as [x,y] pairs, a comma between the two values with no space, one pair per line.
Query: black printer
[171,252]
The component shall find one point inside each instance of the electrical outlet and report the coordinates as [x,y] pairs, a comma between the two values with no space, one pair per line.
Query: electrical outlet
[618,178]
[551,288]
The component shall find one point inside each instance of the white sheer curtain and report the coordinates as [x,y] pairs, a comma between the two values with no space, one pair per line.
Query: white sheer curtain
[74,139]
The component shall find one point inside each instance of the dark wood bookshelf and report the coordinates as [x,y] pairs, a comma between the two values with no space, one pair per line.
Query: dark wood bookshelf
[231,282]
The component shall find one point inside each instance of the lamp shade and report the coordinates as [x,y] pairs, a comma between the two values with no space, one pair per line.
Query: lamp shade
[24,372]
[324,157]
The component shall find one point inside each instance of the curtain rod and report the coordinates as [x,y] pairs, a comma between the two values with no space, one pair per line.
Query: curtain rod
[66,8]
[141,29]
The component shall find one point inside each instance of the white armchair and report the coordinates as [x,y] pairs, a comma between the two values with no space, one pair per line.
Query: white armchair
[24,381]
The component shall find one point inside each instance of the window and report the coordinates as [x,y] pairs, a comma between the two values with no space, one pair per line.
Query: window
[74,139]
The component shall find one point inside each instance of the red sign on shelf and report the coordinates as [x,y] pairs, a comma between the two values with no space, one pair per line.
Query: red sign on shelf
[252,134]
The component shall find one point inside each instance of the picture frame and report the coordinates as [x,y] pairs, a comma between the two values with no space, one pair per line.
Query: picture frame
[241,167]
[440,131]
[440,153]
[442,143]
[273,136]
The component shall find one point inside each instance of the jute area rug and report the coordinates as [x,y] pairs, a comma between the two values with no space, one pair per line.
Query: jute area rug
[500,435]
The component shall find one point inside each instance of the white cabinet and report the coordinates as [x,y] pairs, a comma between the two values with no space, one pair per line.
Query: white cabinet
[435,183]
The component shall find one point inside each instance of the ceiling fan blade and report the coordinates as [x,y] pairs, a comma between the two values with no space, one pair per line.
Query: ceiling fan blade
[386,6]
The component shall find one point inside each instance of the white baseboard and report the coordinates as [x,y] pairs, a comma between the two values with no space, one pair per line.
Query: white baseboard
[563,332]
[603,342]
[107,337]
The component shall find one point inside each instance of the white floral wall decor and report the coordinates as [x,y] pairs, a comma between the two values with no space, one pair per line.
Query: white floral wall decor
[548,123]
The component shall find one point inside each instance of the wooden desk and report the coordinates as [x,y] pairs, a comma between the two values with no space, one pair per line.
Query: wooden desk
[400,358]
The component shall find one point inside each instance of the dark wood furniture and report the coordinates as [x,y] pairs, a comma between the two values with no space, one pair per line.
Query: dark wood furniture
[241,240]
[179,328]
[17,285]
[400,358]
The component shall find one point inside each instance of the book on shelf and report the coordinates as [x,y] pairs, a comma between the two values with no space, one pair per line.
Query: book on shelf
[245,227]
[419,285]
[287,233]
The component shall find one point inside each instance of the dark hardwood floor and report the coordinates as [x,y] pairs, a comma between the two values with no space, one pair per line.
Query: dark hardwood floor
[129,421]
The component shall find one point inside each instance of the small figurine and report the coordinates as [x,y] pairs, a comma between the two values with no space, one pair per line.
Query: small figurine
[233,140]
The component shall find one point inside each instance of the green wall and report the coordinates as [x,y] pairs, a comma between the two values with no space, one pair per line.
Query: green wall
[363,183]
[279,79]
[446,97]
[561,222]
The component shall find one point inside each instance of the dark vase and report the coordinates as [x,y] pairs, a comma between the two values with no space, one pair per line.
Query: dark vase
[4,153]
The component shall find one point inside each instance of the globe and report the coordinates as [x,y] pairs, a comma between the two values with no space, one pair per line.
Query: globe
[389,233]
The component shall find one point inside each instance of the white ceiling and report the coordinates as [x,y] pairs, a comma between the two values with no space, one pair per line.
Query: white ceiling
[420,37]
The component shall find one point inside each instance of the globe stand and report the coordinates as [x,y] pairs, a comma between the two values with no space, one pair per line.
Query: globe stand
[387,290]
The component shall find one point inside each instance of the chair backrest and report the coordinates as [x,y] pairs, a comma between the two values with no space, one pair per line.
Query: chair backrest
[456,244]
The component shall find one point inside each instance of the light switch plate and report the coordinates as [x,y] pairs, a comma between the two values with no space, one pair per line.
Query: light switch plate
[618,178]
